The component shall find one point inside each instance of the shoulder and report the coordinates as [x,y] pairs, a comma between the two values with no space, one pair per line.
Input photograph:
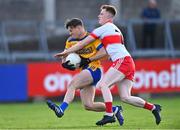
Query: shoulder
[71,39]
[104,27]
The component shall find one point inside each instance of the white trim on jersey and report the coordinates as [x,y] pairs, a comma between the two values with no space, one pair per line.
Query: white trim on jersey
[117,51]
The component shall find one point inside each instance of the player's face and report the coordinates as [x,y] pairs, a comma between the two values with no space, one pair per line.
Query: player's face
[74,31]
[103,17]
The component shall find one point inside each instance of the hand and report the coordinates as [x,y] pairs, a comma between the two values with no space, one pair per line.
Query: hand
[68,66]
[60,55]
[84,61]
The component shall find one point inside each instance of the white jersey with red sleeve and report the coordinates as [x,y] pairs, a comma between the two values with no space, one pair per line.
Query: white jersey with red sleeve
[112,39]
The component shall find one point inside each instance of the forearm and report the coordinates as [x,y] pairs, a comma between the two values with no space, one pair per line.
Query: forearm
[80,44]
[76,47]
[100,54]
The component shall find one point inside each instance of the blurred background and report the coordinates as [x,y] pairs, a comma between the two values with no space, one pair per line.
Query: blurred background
[31,31]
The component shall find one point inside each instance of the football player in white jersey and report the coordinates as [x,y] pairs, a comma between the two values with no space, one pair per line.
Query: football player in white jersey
[122,69]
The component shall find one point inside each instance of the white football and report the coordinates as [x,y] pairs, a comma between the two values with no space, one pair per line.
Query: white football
[74,59]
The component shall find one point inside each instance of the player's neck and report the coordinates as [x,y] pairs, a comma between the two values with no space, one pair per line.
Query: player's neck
[83,34]
[109,21]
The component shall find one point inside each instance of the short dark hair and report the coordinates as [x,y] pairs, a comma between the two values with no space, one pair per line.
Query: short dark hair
[73,22]
[110,8]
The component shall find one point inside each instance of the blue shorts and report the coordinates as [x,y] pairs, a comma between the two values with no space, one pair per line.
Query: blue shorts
[96,75]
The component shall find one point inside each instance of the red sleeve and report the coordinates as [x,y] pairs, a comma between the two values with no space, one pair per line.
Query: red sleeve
[94,35]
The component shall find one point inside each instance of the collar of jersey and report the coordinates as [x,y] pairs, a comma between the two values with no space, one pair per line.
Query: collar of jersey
[76,39]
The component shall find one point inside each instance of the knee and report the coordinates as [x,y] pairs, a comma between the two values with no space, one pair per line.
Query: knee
[72,85]
[88,107]
[101,85]
[125,99]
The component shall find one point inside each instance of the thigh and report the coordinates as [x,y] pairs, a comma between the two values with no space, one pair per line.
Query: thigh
[87,94]
[82,79]
[96,75]
[126,66]
[111,77]
[125,87]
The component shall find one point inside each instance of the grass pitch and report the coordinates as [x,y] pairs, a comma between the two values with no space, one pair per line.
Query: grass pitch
[38,116]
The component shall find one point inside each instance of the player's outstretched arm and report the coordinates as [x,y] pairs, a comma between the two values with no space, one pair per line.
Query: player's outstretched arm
[76,47]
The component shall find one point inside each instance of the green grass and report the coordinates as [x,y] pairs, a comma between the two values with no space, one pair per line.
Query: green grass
[38,116]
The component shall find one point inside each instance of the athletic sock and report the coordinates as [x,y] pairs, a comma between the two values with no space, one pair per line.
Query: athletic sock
[63,106]
[109,111]
[109,114]
[149,106]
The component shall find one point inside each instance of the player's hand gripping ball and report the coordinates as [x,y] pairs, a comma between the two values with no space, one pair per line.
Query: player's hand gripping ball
[73,60]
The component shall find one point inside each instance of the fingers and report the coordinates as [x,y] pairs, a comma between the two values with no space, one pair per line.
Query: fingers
[58,55]
[68,66]
[67,62]
[62,54]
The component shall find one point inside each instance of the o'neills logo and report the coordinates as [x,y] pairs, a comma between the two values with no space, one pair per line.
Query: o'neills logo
[57,81]
[144,79]
[162,79]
